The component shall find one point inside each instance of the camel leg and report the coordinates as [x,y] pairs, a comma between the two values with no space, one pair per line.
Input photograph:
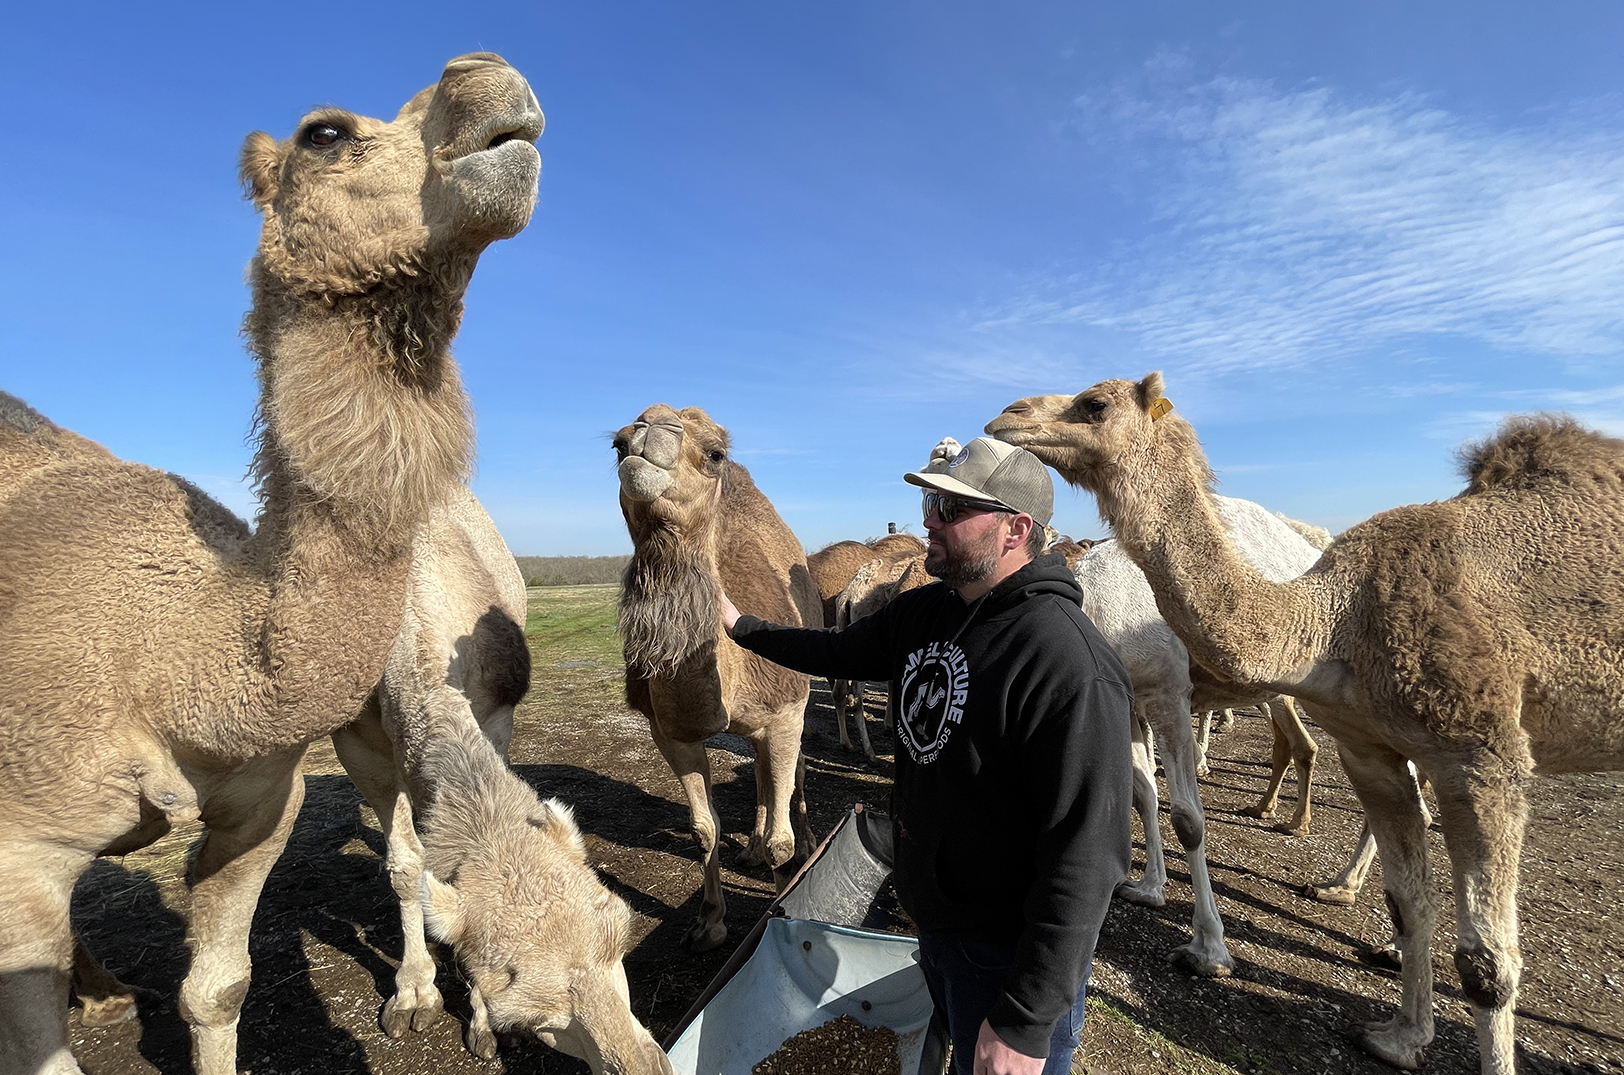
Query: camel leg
[1343,889]
[1292,746]
[416,1003]
[1484,811]
[1151,888]
[692,768]
[1392,805]
[862,719]
[780,771]
[103,999]
[840,689]
[1206,953]
[479,1038]
[1203,738]
[36,954]
[249,819]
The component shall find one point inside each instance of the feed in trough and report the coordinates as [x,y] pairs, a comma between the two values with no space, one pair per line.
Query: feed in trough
[841,1045]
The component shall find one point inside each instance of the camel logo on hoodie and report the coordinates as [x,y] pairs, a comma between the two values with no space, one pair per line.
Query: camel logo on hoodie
[935,683]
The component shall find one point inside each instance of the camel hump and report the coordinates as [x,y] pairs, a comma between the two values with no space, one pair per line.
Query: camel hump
[1535,450]
[30,441]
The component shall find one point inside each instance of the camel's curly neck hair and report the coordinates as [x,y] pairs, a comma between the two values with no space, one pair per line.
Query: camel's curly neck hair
[669,607]
[362,416]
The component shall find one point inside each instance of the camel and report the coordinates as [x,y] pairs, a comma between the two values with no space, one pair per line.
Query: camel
[873,587]
[698,526]
[193,659]
[540,939]
[832,568]
[1476,636]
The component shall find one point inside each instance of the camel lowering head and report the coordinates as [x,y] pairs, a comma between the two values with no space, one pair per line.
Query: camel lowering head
[351,202]
[1082,436]
[539,936]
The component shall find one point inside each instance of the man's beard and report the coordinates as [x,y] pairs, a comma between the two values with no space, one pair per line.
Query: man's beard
[964,565]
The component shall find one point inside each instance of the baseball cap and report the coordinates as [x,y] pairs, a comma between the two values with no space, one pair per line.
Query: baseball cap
[987,469]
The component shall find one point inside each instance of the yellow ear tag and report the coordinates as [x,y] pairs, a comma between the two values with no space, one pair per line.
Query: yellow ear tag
[1160,407]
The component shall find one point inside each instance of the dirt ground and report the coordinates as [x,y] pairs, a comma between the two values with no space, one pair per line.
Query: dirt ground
[327,935]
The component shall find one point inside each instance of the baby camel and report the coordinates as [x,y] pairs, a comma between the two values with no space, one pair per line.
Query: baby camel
[699,525]
[1477,636]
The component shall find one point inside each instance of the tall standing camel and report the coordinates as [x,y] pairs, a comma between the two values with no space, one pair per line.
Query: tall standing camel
[1479,636]
[159,661]
[699,525]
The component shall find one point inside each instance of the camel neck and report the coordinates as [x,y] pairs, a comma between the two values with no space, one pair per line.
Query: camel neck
[1232,620]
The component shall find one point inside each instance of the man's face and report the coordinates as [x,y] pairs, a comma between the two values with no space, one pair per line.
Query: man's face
[965,550]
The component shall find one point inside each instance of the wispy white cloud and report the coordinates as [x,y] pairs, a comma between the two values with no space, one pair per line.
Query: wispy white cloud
[1598,408]
[1297,227]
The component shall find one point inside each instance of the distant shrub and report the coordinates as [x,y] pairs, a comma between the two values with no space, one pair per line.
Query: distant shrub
[571,570]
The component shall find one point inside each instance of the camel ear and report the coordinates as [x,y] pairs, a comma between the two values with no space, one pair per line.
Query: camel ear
[261,159]
[1150,390]
[442,908]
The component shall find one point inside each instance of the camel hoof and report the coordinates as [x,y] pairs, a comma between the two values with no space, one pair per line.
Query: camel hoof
[1190,960]
[1340,895]
[702,938]
[108,1011]
[480,1042]
[399,1015]
[754,853]
[1290,829]
[1382,1042]
[1143,895]
[1385,958]
[1258,812]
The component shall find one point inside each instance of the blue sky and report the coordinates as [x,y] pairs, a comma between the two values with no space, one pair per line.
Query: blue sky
[1352,235]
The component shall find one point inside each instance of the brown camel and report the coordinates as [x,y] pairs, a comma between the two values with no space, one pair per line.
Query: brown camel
[874,586]
[159,661]
[699,525]
[1478,636]
[832,568]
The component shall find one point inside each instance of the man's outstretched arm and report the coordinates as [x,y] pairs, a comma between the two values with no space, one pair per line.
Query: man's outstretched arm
[860,651]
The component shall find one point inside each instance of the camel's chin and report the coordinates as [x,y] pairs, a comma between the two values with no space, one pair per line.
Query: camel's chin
[494,190]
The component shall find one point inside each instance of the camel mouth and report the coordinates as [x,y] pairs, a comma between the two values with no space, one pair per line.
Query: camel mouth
[1009,429]
[521,126]
[642,481]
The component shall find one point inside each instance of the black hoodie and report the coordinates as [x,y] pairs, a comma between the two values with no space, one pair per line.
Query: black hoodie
[1013,781]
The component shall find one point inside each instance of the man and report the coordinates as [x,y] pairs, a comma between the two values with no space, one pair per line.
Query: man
[1013,781]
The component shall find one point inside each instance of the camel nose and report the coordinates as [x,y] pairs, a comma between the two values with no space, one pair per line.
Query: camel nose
[472,61]
[1020,406]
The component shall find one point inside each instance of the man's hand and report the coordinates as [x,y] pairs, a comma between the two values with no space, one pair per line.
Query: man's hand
[730,615]
[993,1057]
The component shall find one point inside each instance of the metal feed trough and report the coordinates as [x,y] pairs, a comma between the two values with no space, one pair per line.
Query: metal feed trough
[809,960]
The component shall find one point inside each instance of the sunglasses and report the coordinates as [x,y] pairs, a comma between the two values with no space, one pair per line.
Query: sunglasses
[947,507]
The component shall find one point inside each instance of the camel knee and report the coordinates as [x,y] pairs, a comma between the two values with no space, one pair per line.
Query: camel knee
[202,1006]
[1188,826]
[1487,978]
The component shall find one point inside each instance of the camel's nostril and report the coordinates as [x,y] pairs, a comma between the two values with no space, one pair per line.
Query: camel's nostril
[1019,407]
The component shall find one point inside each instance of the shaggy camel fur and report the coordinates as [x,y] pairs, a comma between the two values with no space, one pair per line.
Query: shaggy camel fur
[832,569]
[699,525]
[1477,636]
[539,937]
[197,659]
[461,662]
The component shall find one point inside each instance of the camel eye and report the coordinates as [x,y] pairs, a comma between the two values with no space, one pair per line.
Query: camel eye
[323,135]
[717,455]
[1094,406]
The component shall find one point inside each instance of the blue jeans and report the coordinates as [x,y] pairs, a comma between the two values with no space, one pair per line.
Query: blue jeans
[966,976]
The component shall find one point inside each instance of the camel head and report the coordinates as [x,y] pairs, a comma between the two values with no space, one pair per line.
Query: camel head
[1092,437]
[539,936]
[351,202]
[672,467]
